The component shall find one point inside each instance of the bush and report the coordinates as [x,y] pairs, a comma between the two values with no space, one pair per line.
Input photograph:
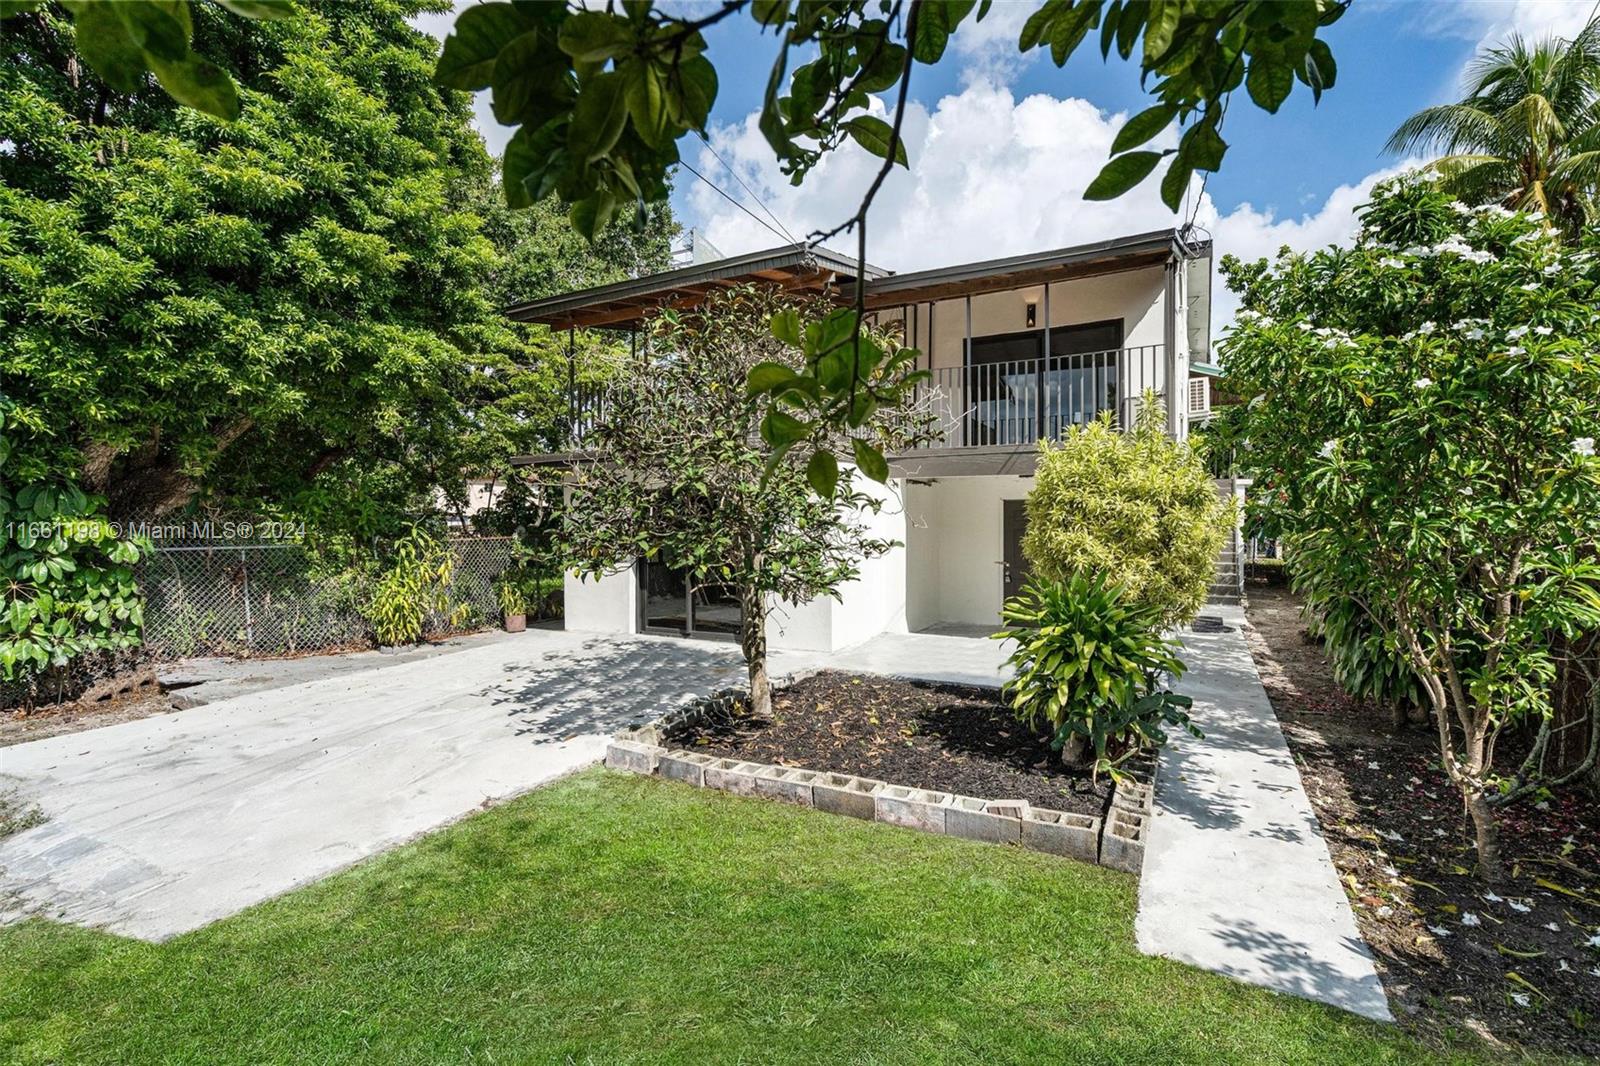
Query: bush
[1089,665]
[414,587]
[1137,507]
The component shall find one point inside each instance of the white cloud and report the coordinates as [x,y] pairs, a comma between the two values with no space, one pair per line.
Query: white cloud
[990,176]
[1488,22]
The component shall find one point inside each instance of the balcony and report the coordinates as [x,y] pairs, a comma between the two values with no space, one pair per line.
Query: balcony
[991,405]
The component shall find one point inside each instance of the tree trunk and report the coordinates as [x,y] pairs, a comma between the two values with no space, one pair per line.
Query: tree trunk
[753,642]
[1398,715]
[1075,752]
[1487,833]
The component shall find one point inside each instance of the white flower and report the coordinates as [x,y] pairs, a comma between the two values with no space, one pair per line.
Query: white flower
[1248,315]
[1553,268]
[1521,999]
[1543,331]
[1385,911]
[1561,964]
[1303,326]
[1490,897]
[1460,208]
[1391,261]
[1474,334]
[1594,941]
[1469,919]
[1532,286]
[1440,833]
[1423,383]
[1372,766]
[1436,931]
[1583,445]
[1426,328]
[1516,331]
[1516,349]
[1520,908]
[1391,836]
[1327,449]
[1553,927]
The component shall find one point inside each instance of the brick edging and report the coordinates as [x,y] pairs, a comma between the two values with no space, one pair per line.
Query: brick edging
[1116,841]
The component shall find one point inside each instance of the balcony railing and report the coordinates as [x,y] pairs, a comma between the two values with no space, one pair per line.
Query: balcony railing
[1017,403]
[1011,403]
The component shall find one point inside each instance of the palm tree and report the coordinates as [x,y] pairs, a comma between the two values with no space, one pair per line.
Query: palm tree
[1528,133]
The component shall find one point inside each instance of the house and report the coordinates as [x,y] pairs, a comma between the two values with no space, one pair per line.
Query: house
[1019,348]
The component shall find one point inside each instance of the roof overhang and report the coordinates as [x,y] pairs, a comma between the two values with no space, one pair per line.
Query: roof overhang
[1014,272]
[627,303]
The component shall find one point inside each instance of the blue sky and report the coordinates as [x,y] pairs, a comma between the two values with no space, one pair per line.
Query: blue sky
[1002,146]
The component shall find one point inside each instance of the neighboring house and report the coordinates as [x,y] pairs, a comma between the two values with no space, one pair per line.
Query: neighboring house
[482,493]
[1019,348]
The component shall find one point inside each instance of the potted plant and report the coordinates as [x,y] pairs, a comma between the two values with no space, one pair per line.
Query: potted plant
[510,589]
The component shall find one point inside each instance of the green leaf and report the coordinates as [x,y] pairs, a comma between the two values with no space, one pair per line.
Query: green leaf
[529,81]
[823,473]
[781,430]
[199,83]
[104,43]
[767,376]
[647,103]
[261,9]
[870,461]
[1143,126]
[594,36]
[1269,81]
[1069,32]
[1202,147]
[160,29]
[1321,70]
[599,117]
[1175,182]
[590,215]
[874,134]
[786,326]
[696,84]
[519,167]
[470,51]
[1162,22]
[1121,174]
[9,8]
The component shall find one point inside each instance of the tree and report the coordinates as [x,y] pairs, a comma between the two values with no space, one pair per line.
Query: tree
[1138,508]
[601,98]
[1426,407]
[678,471]
[1527,135]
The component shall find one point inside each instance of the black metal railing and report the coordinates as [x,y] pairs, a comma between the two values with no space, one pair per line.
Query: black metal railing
[1005,403]
[1022,401]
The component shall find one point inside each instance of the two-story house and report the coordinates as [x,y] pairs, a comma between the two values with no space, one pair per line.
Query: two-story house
[1019,348]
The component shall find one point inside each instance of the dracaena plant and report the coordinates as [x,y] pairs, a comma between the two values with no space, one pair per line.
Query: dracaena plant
[1090,667]
[1423,425]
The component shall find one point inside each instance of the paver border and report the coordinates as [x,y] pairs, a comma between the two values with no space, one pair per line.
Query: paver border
[1115,840]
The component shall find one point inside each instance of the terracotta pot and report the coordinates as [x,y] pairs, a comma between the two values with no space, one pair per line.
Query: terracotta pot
[516,623]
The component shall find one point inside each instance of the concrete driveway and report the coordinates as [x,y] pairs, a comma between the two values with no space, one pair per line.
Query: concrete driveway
[158,826]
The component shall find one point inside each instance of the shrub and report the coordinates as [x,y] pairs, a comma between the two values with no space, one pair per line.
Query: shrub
[1089,665]
[414,587]
[1137,507]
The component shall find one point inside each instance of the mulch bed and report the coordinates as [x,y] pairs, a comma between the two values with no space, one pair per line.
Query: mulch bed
[1518,965]
[952,738]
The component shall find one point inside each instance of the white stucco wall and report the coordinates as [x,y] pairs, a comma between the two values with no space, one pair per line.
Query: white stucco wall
[956,542]
[607,604]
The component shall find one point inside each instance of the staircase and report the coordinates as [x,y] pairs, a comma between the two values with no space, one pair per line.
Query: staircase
[1227,581]
[1224,589]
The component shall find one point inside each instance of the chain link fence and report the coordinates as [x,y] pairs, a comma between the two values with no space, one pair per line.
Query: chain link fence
[275,599]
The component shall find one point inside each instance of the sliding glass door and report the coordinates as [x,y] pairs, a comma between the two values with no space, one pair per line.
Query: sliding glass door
[672,603]
[1017,395]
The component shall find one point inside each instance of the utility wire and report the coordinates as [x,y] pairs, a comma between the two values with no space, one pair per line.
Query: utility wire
[753,194]
[718,190]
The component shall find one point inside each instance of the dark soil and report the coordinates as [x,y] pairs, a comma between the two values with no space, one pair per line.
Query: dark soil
[19,726]
[951,738]
[1518,965]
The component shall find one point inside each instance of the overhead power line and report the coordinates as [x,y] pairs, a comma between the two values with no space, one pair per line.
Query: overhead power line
[753,194]
[719,191]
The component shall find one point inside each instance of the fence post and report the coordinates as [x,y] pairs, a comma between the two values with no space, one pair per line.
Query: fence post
[249,623]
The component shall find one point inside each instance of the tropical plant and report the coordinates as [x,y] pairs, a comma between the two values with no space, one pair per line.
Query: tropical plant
[511,591]
[1221,441]
[1138,507]
[679,471]
[1424,428]
[1090,666]
[416,585]
[1367,660]
[68,577]
[1527,134]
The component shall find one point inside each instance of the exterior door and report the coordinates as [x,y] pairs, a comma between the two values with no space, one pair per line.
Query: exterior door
[672,603]
[1014,523]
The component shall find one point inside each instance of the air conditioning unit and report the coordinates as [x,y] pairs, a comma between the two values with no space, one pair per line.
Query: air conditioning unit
[1199,395]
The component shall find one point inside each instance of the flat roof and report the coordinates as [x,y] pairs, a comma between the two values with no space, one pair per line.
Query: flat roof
[625,303]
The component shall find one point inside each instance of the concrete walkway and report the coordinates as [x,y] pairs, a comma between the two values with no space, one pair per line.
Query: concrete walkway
[1237,878]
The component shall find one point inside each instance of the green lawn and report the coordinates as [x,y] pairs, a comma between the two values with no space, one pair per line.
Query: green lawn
[611,917]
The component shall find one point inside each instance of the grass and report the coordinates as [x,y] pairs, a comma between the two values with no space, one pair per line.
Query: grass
[612,918]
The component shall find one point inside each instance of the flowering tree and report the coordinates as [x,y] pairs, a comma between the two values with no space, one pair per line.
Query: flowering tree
[1424,420]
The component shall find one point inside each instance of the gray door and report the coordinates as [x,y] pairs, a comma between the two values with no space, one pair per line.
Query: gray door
[1015,566]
